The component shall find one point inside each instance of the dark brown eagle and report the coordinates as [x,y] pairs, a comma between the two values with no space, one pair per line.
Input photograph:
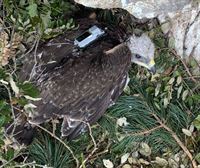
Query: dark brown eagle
[78,86]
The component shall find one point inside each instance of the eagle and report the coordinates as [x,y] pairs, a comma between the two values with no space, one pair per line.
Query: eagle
[77,86]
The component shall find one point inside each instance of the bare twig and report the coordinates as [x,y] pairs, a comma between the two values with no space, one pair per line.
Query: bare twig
[94,142]
[32,164]
[194,76]
[176,138]
[185,66]
[100,153]
[62,142]
[35,59]
[30,50]
[5,164]
[145,131]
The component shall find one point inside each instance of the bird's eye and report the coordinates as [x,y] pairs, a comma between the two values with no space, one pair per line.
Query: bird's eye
[138,56]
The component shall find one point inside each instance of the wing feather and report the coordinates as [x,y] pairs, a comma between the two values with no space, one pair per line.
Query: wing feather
[78,88]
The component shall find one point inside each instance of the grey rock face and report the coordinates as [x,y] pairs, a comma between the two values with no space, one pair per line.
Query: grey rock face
[181,19]
[184,29]
[139,8]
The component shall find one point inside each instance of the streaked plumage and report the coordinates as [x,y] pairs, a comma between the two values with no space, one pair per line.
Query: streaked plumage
[78,87]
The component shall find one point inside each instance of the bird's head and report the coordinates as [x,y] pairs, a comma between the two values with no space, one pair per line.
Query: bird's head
[142,50]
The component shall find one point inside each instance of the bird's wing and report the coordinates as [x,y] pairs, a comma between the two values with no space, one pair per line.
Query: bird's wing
[75,88]
[80,91]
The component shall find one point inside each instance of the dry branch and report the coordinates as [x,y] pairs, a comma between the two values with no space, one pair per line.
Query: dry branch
[177,139]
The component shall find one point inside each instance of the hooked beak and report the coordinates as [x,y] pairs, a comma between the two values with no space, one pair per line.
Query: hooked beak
[153,70]
[152,67]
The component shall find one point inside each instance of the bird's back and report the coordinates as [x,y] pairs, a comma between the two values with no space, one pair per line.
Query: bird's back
[76,87]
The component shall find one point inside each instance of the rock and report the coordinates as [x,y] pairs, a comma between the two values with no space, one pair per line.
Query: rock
[139,8]
[180,20]
[183,27]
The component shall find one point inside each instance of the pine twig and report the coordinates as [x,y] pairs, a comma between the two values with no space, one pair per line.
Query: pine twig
[145,131]
[62,142]
[176,138]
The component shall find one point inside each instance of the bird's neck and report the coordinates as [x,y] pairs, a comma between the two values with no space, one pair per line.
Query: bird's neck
[119,54]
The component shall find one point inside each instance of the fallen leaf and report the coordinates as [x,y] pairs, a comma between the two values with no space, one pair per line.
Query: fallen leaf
[4,82]
[135,154]
[177,157]
[14,86]
[157,90]
[171,81]
[184,95]
[182,166]
[179,80]
[29,107]
[145,150]
[124,158]
[166,102]
[160,161]
[179,91]
[191,128]
[130,160]
[122,121]
[172,163]
[186,132]
[127,90]
[126,166]
[143,161]
[32,98]
[107,163]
